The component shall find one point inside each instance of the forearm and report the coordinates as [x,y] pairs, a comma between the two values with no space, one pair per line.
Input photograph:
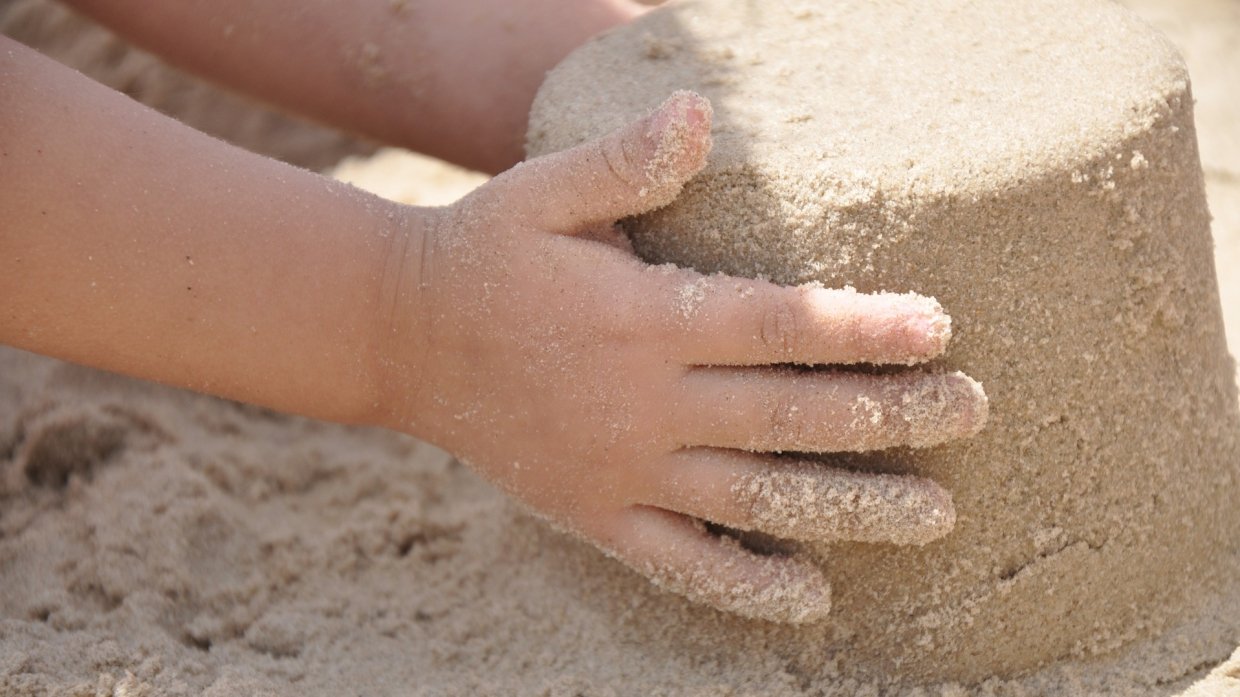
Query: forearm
[132,243]
[451,78]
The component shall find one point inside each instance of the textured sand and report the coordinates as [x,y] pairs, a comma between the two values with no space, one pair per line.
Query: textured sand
[153,542]
[1034,167]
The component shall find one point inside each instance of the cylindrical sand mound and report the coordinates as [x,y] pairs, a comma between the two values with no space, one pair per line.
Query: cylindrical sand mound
[1034,167]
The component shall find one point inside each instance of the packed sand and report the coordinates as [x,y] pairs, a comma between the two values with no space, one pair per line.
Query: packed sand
[1034,167]
[156,542]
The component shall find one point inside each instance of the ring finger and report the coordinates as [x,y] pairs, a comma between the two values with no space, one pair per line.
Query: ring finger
[801,500]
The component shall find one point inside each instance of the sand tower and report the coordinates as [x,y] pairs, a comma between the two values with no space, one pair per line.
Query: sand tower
[1034,167]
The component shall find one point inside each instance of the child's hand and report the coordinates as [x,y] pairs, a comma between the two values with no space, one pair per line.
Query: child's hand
[574,376]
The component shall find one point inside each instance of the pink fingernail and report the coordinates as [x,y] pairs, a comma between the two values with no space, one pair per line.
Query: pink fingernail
[678,136]
[930,332]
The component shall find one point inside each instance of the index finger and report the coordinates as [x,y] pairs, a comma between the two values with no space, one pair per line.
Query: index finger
[722,320]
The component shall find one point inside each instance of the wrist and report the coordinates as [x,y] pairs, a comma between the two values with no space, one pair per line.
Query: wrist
[400,326]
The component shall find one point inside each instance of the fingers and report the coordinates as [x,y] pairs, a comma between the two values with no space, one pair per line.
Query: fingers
[720,320]
[609,234]
[679,555]
[786,410]
[636,169]
[801,500]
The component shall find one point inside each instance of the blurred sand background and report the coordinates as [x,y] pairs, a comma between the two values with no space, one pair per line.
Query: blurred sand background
[158,542]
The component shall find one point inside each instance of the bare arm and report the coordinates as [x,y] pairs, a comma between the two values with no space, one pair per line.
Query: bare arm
[451,78]
[133,243]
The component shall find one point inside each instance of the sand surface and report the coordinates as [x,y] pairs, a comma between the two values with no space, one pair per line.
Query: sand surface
[157,542]
[1042,182]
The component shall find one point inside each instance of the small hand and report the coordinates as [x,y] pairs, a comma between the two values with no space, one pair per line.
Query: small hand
[628,402]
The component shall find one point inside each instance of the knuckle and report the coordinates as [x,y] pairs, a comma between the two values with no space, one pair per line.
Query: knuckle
[784,423]
[783,328]
[615,153]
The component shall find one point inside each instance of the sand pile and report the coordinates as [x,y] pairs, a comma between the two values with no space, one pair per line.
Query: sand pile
[1034,167]
[154,542]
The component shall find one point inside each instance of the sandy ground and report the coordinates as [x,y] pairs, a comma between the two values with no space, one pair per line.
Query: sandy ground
[157,542]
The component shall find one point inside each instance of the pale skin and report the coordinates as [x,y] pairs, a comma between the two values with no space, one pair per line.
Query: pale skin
[512,328]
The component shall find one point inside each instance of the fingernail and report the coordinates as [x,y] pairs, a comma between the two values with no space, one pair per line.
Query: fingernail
[978,411]
[678,137]
[969,405]
[938,517]
[938,408]
[682,107]
[930,332]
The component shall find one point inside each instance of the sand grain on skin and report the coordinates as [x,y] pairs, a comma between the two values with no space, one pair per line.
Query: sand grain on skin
[809,501]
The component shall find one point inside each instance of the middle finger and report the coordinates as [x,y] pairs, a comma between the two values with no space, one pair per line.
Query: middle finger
[790,410]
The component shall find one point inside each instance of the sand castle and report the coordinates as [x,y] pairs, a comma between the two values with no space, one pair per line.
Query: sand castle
[1034,167]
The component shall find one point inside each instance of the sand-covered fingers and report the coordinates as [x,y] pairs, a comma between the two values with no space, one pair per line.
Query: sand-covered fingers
[719,320]
[802,500]
[680,555]
[790,410]
[633,170]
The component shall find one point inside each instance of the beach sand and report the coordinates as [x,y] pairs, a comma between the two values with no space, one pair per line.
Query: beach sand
[156,542]
[1041,181]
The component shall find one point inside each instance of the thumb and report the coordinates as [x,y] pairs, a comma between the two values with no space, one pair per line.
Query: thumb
[636,169]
